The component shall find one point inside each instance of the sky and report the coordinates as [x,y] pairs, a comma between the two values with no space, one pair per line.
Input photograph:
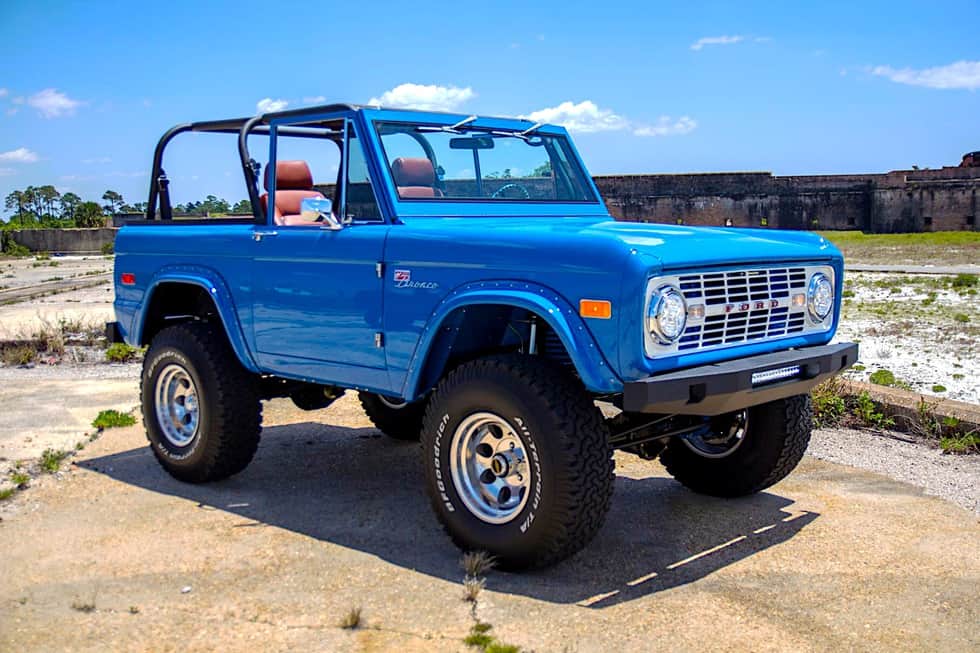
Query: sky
[86,89]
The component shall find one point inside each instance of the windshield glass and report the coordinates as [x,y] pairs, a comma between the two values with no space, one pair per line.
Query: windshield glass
[434,163]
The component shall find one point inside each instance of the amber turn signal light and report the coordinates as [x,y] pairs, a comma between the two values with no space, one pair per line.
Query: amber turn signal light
[598,308]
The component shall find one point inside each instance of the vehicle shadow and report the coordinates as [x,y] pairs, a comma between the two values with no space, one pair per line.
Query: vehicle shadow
[354,488]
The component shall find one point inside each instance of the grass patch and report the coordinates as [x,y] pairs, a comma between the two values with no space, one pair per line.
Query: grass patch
[964,280]
[20,479]
[961,317]
[108,419]
[352,619]
[120,352]
[938,388]
[829,405]
[18,354]
[481,639]
[83,606]
[51,460]
[7,492]
[472,587]
[967,443]
[887,378]
[477,563]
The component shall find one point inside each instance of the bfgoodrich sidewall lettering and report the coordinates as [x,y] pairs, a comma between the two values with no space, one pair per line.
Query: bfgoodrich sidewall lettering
[519,532]
[153,427]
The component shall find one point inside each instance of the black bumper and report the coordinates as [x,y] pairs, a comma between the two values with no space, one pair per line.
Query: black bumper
[724,387]
[112,333]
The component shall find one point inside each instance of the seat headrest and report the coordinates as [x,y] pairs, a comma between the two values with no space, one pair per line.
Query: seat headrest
[291,175]
[412,172]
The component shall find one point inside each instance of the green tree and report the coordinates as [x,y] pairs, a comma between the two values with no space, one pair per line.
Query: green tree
[48,197]
[213,205]
[69,203]
[89,214]
[543,170]
[242,207]
[112,200]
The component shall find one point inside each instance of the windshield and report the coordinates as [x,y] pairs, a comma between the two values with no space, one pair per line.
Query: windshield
[435,163]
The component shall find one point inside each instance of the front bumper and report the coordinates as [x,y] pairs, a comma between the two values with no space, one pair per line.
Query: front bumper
[729,386]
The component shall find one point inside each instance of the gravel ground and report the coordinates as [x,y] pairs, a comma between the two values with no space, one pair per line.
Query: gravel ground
[949,477]
[907,325]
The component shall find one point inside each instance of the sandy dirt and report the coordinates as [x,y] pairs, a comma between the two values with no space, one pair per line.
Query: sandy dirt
[330,515]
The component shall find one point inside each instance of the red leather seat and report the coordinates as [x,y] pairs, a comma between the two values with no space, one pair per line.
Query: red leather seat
[294,183]
[414,177]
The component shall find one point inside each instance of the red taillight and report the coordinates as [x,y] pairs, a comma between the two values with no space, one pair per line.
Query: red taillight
[128,279]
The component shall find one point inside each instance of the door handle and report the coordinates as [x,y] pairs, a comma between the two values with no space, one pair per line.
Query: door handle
[257,236]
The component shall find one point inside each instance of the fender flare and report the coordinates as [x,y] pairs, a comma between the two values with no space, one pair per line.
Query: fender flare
[590,363]
[214,285]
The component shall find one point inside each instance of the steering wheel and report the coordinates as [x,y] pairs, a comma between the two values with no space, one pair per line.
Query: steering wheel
[519,187]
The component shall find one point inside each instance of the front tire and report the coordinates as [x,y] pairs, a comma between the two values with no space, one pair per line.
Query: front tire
[517,461]
[201,408]
[395,418]
[770,444]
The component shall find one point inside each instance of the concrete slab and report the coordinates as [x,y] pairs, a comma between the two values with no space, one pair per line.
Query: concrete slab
[54,408]
[331,515]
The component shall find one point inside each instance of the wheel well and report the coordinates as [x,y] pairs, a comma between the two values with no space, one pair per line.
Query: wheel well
[174,302]
[474,331]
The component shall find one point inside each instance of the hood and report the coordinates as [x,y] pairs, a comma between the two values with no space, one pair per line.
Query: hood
[670,246]
[685,247]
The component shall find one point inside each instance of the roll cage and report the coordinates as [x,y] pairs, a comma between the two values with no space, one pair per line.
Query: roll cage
[284,123]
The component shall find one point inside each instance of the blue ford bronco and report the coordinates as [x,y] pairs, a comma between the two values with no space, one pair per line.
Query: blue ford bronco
[464,277]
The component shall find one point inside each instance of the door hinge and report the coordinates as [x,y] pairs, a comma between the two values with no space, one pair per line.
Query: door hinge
[379,339]
[379,268]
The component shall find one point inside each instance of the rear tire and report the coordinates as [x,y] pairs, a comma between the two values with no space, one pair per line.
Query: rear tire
[517,461]
[393,417]
[201,408]
[776,436]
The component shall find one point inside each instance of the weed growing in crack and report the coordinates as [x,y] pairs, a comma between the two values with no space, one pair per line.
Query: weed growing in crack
[351,620]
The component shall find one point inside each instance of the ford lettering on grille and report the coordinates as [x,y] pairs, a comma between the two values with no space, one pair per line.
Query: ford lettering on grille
[744,305]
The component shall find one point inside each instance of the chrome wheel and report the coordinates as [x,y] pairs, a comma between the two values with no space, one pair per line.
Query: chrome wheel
[720,437]
[489,467]
[177,409]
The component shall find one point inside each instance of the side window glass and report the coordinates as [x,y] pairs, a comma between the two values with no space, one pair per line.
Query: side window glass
[362,203]
[305,168]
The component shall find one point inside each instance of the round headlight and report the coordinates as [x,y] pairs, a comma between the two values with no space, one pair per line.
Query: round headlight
[820,296]
[668,314]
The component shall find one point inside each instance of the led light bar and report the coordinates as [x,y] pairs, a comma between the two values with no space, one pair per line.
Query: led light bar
[778,374]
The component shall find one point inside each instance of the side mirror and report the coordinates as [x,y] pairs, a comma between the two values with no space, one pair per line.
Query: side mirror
[319,209]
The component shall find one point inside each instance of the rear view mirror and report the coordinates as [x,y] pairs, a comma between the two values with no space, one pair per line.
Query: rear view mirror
[320,209]
[471,143]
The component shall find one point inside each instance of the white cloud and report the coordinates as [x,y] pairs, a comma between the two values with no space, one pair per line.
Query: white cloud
[20,155]
[315,99]
[962,74]
[268,105]
[52,103]
[585,116]
[716,40]
[12,111]
[6,172]
[4,92]
[429,97]
[667,126]
[98,159]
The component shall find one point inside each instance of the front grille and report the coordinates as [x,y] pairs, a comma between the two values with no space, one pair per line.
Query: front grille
[742,306]
[746,297]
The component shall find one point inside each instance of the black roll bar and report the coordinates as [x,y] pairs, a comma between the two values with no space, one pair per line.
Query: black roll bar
[159,184]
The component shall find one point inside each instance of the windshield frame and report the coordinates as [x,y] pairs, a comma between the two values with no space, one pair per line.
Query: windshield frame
[481,206]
